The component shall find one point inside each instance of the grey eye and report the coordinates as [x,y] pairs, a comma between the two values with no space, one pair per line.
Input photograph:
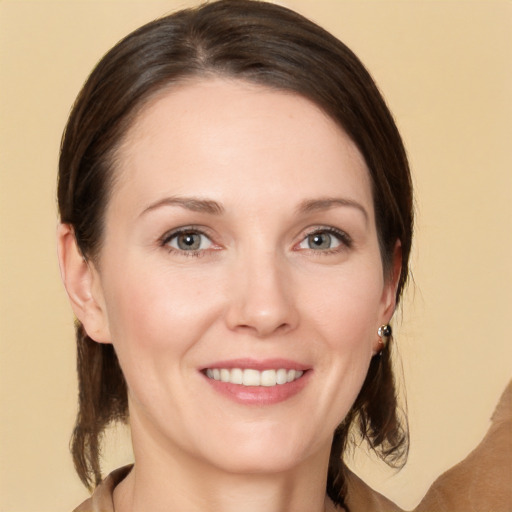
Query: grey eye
[321,240]
[190,241]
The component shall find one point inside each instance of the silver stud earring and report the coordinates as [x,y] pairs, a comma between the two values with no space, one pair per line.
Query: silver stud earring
[384,331]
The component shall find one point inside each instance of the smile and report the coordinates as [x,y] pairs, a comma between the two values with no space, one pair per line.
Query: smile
[252,377]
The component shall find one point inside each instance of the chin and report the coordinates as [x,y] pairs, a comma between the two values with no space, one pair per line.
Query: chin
[264,464]
[260,455]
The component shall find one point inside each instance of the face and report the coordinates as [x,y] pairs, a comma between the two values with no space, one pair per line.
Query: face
[240,278]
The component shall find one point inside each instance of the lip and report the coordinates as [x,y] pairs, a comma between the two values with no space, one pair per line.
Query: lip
[258,364]
[259,395]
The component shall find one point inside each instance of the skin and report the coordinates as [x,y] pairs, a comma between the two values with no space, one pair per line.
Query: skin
[275,171]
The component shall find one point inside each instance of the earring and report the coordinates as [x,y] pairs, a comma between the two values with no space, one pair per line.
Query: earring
[384,332]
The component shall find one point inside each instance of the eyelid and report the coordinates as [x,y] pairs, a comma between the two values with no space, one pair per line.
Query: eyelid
[168,235]
[166,238]
[342,236]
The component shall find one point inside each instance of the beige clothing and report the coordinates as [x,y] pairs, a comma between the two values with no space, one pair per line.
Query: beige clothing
[482,482]
[102,499]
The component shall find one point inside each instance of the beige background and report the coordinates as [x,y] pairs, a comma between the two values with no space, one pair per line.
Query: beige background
[445,69]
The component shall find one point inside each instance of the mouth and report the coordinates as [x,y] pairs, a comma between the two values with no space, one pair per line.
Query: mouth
[257,382]
[253,377]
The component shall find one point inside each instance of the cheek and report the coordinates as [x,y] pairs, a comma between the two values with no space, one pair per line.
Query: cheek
[152,313]
[346,315]
[348,306]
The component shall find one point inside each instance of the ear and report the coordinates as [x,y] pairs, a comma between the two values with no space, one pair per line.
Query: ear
[388,300]
[83,286]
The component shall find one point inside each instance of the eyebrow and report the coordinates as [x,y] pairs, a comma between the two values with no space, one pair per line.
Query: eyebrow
[211,207]
[326,203]
[194,204]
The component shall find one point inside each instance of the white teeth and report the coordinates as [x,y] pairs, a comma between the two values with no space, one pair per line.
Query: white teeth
[268,378]
[250,377]
[237,376]
[281,376]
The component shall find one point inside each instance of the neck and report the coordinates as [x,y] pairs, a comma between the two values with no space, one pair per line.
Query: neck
[168,480]
[232,494]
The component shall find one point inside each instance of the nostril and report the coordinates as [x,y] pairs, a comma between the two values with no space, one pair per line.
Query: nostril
[262,329]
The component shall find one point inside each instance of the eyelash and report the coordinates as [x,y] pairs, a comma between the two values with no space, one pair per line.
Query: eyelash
[169,236]
[342,237]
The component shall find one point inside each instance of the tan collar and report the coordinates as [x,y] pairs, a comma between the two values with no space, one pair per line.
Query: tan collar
[102,499]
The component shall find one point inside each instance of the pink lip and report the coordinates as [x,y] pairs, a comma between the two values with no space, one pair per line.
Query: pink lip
[259,395]
[260,365]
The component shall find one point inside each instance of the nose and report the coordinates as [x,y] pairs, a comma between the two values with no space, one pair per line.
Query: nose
[261,297]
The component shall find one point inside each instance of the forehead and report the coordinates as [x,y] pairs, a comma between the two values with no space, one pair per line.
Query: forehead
[198,137]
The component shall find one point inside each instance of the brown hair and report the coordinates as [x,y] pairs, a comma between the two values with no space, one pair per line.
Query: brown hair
[265,44]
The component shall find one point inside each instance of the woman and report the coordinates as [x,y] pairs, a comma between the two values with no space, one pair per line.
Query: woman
[236,221]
